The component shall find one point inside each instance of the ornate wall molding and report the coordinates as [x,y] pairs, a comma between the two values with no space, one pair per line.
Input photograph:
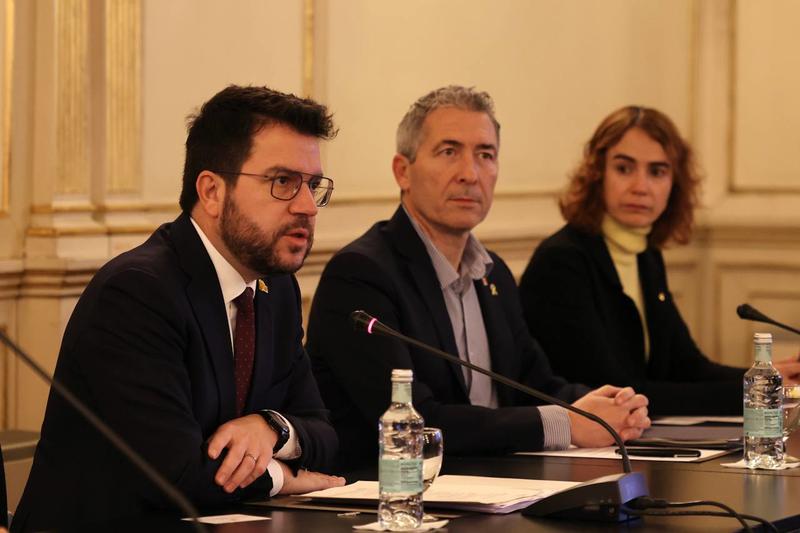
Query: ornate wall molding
[308,48]
[72,115]
[166,207]
[10,280]
[46,282]
[123,111]
[48,231]
[5,113]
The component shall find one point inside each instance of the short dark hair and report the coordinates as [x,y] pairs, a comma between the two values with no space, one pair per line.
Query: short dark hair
[409,131]
[582,204]
[220,136]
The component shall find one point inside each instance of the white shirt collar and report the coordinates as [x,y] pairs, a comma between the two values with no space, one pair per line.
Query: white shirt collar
[230,281]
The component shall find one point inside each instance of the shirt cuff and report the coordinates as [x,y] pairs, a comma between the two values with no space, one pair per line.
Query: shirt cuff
[291,449]
[276,473]
[555,424]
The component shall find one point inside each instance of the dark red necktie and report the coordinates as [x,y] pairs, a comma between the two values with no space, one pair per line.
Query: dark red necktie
[244,346]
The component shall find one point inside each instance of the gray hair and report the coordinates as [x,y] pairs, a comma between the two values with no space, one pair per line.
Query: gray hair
[467,98]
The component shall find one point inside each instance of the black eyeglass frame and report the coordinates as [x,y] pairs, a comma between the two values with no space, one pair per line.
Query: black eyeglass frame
[325,184]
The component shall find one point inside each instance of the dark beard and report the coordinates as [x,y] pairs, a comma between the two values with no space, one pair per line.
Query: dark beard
[254,249]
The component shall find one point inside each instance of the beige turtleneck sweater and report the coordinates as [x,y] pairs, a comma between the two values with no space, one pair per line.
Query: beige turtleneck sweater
[624,243]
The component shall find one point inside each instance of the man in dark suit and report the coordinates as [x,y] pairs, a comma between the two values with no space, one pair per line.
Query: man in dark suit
[189,346]
[425,274]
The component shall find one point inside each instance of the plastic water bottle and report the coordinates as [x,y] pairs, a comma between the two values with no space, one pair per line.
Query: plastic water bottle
[763,408]
[400,459]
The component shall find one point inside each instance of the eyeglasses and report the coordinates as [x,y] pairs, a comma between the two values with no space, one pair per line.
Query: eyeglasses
[285,184]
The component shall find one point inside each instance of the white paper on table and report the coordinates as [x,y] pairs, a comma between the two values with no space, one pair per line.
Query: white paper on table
[487,494]
[229,518]
[695,420]
[609,452]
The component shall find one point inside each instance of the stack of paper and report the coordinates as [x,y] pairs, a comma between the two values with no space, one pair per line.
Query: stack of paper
[697,420]
[466,493]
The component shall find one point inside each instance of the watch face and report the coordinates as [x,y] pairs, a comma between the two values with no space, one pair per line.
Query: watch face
[276,423]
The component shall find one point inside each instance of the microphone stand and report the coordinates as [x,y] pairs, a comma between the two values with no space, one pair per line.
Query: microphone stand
[601,499]
[144,467]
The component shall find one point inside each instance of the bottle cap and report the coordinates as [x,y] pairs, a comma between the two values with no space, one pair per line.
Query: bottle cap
[762,338]
[403,375]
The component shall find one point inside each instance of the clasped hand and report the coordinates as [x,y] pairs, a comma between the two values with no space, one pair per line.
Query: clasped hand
[789,369]
[250,442]
[621,408]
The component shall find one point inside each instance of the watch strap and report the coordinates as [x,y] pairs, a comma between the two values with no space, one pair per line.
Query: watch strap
[274,421]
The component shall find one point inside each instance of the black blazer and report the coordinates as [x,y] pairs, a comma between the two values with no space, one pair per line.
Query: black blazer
[3,496]
[591,330]
[148,349]
[388,273]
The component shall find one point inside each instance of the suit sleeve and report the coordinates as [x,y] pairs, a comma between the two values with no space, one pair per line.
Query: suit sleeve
[132,358]
[696,385]
[358,366]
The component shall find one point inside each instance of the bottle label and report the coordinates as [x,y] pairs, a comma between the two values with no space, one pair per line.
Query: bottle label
[401,392]
[400,475]
[763,352]
[763,423]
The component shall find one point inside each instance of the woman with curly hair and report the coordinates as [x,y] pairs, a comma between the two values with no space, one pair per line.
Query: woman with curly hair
[595,293]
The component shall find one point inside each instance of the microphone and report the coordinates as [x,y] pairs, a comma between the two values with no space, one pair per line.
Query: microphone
[144,467]
[748,312]
[601,499]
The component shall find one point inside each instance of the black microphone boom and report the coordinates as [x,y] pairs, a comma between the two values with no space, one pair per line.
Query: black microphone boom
[598,499]
[748,312]
[362,321]
[151,473]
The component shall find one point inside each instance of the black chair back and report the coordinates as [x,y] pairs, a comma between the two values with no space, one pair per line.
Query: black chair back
[3,496]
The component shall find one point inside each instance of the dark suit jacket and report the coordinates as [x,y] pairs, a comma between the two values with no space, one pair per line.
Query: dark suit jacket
[148,349]
[3,496]
[591,330]
[388,273]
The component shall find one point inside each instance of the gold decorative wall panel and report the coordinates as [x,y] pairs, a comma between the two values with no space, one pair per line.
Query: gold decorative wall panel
[123,114]
[72,120]
[5,112]
[308,48]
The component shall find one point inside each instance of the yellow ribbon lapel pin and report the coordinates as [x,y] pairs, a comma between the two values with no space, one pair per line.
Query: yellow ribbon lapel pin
[492,286]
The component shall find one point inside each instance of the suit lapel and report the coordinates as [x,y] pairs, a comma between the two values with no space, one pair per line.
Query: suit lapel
[598,251]
[264,357]
[602,257]
[655,297]
[499,337]
[205,297]
[408,244]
